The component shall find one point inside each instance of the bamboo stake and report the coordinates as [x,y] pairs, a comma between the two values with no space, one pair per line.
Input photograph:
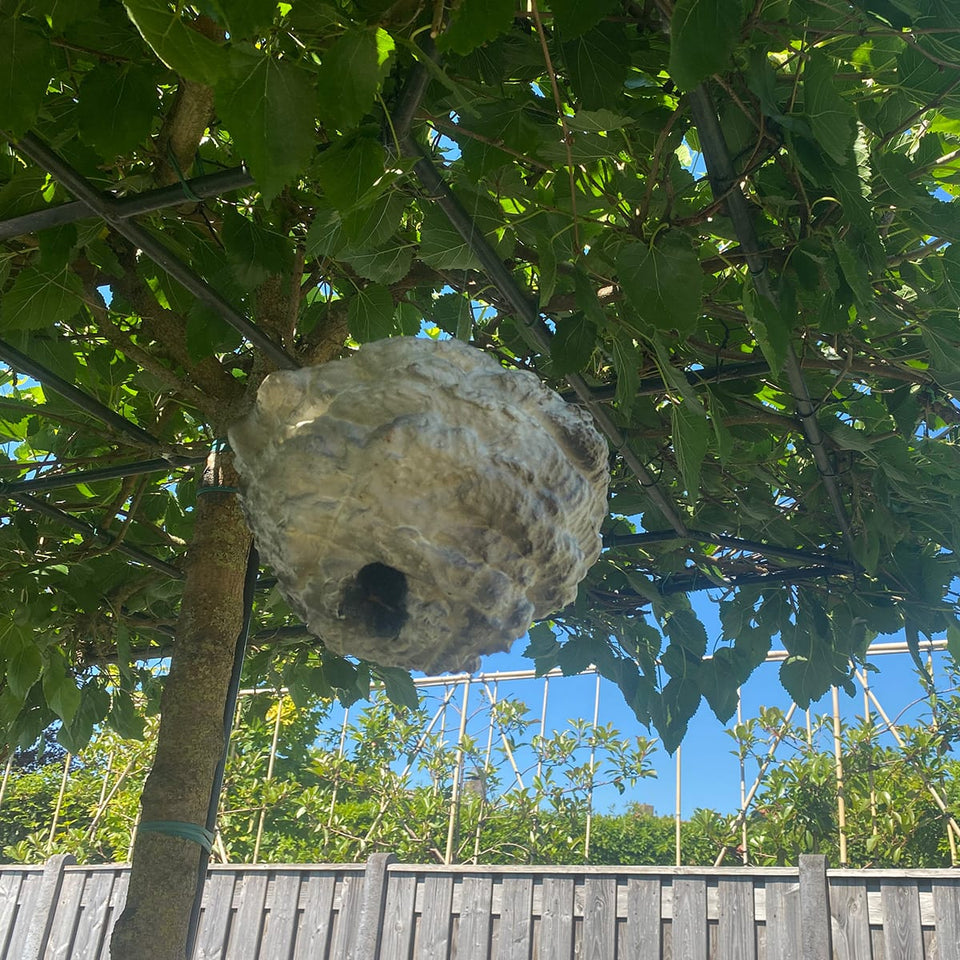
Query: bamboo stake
[953,828]
[457,777]
[270,764]
[593,767]
[63,790]
[841,798]
[105,800]
[336,782]
[6,777]
[506,745]
[483,795]
[871,779]
[784,727]
[676,814]
[743,780]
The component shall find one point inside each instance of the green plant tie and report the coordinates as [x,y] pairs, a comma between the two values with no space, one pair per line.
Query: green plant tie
[179,828]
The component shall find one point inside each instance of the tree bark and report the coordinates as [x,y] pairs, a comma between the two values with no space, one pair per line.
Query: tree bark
[153,925]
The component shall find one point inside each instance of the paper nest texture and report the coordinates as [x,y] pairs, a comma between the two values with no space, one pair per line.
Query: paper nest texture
[419,503]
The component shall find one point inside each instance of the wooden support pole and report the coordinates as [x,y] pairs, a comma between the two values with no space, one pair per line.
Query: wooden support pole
[815,933]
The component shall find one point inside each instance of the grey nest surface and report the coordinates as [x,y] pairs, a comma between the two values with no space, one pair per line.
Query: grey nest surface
[420,504]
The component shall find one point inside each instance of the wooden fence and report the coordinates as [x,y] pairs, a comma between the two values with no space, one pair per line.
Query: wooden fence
[392,911]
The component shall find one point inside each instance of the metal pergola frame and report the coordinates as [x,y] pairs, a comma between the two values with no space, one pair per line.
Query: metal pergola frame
[118,214]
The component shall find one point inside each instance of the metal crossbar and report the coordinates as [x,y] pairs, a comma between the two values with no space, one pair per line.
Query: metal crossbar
[199,188]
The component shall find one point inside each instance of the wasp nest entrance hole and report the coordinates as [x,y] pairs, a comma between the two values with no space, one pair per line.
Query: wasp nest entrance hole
[377,599]
[419,503]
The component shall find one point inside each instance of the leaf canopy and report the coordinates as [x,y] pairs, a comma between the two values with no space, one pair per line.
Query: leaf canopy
[766,325]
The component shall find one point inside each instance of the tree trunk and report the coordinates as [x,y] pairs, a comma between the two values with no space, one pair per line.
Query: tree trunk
[153,925]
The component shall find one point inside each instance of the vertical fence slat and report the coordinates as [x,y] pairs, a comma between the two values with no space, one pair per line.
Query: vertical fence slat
[313,934]
[399,919]
[814,908]
[736,933]
[902,935]
[348,918]
[516,919]
[93,918]
[433,941]
[65,918]
[556,918]
[118,899]
[40,918]
[643,919]
[782,927]
[371,908]
[280,924]
[29,892]
[10,884]
[215,919]
[851,923]
[476,905]
[946,912]
[247,924]
[689,928]
[599,918]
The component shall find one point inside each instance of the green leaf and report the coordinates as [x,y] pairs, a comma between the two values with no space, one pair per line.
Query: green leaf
[474,22]
[399,686]
[691,437]
[347,172]
[268,105]
[116,108]
[60,689]
[383,265]
[663,282]
[953,638]
[806,679]
[832,118]
[573,345]
[254,252]
[686,631]
[452,314]
[248,18]
[574,17]
[855,271]
[350,74]
[768,325]
[370,313]
[23,669]
[720,678]
[123,716]
[703,36]
[598,63]
[672,710]
[184,50]
[38,300]
[627,359]
[26,64]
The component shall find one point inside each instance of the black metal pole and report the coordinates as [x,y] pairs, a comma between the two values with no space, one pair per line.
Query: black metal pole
[23,363]
[88,530]
[210,185]
[33,147]
[61,480]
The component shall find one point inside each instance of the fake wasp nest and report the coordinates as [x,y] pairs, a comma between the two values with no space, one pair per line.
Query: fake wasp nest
[419,503]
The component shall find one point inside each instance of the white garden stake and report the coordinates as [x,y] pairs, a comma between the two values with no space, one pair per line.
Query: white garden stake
[419,503]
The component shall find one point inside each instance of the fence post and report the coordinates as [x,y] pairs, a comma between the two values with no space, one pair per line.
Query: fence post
[815,934]
[367,944]
[45,906]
